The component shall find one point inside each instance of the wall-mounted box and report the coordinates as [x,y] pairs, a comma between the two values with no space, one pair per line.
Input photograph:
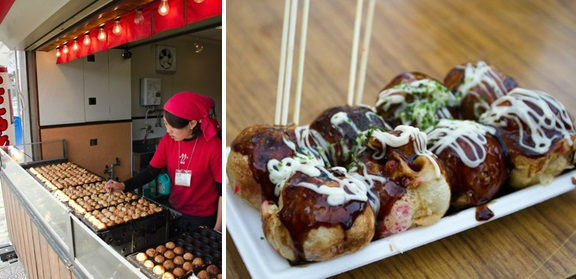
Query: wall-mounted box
[150,89]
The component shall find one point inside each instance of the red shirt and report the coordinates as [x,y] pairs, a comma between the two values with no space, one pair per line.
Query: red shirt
[201,197]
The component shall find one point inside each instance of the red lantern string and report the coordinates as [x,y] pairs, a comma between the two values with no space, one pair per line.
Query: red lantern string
[139,24]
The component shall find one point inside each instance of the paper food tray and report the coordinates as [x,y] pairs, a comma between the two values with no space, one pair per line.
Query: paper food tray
[245,227]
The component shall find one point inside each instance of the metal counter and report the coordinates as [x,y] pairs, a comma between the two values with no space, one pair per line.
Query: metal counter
[77,246]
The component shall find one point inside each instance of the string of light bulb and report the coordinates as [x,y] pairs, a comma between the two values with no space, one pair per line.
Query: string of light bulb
[163,10]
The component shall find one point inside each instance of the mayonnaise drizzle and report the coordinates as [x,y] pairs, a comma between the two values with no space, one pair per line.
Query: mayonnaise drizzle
[324,149]
[408,133]
[533,110]
[459,134]
[349,188]
[281,171]
[481,75]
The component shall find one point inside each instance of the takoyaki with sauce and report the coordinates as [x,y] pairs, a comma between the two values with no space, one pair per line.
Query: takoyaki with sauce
[416,100]
[321,214]
[474,161]
[334,132]
[407,180]
[537,132]
[247,166]
[479,85]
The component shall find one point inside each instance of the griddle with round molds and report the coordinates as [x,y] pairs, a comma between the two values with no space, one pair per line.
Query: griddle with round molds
[203,244]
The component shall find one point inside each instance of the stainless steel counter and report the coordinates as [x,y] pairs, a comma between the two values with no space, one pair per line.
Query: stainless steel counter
[76,245]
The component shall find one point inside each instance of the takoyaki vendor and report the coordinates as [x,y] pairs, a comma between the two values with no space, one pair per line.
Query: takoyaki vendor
[191,151]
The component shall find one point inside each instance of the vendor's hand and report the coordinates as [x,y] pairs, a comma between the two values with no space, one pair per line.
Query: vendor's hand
[114,186]
[218,227]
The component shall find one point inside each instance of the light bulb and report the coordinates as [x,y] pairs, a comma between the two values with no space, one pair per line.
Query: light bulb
[101,34]
[58,52]
[199,1]
[75,45]
[87,38]
[164,8]
[65,50]
[117,28]
[139,16]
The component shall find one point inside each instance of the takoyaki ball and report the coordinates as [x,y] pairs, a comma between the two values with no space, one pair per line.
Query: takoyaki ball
[213,270]
[141,257]
[414,191]
[188,256]
[169,254]
[178,272]
[170,245]
[158,270]
[161,249]
[407,77]
[197,262]
[168,265]
[178,260]
[187,266]
[203,275]
[537,132]
[334,132]
[178,250]
[321,215]
[167,275]
[420,103]
[479,85]
[475,162]
[247,165]
[149,264]
[159,259]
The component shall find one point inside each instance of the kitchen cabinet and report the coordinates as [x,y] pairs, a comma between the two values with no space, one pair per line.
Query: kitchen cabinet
[83,91]
[60,90]
[120,86]
[96,103]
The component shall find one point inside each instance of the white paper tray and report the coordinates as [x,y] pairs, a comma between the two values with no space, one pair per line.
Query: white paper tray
[245,227]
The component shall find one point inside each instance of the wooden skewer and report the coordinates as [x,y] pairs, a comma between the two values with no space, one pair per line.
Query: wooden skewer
[354,59]
[302,50]
[288,78]
[282,68]
[365,51]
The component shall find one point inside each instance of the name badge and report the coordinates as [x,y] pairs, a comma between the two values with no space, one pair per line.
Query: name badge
[183,178]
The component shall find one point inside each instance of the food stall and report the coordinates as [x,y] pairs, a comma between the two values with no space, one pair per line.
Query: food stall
[89,82]
[529,41]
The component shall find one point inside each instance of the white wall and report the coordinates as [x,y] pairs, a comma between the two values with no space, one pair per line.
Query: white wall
[64,89]
[196,72]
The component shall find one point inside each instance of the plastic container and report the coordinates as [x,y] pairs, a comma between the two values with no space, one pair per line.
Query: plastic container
[163,184]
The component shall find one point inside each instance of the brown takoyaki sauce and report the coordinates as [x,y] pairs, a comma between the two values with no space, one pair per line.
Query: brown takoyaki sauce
[474,186]
[483,213]
[388,192]
[305,209]
[261,144]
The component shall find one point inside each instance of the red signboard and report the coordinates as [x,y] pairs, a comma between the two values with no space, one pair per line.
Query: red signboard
[6,126]
[139,24]
[5,6]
